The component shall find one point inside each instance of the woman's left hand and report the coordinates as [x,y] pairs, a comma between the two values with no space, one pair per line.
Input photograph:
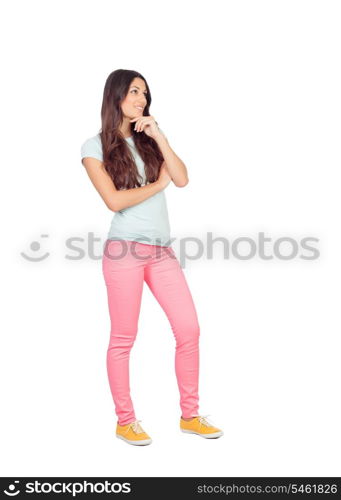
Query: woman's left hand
[146,124]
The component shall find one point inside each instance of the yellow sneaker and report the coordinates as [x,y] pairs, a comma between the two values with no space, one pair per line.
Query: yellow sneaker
[201,426]
[133,433]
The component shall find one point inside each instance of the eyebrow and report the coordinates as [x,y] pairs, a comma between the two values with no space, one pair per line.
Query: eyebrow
[137,87]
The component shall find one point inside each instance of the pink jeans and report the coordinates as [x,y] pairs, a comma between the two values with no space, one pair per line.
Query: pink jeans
[126,265]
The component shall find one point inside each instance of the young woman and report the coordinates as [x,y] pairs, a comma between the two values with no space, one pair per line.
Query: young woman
[130,163]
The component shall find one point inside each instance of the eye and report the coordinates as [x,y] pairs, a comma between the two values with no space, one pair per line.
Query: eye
[135,90]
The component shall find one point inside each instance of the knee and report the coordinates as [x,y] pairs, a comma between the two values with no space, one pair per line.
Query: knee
[188,334]
[122,339]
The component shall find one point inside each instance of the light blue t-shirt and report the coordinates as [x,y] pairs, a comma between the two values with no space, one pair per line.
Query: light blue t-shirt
[146,222]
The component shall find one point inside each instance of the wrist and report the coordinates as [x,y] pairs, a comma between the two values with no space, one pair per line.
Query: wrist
[159,185]
[159,137]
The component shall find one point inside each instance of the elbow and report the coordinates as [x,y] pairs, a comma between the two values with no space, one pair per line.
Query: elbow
[113,207]
[183,184]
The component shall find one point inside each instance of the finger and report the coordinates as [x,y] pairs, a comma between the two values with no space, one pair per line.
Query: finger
[143,124]
[143,121]
[137,124]
[149,121]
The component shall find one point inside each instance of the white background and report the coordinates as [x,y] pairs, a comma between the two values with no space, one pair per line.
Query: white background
[248,94]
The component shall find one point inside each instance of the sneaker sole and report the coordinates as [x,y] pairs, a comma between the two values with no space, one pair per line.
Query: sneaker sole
[143,442]
[213,435]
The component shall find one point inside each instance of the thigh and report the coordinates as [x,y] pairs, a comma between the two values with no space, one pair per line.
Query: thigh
[167,282]
[124,277]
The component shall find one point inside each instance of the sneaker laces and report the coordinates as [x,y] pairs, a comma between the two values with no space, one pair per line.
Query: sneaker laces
[203,420]
[136,427]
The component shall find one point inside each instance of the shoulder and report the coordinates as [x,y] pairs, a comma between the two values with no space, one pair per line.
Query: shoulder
[92,147]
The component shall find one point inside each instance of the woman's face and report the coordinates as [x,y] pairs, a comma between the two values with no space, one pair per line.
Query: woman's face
[135,100]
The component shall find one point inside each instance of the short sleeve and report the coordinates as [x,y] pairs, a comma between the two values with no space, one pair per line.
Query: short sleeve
[92,147]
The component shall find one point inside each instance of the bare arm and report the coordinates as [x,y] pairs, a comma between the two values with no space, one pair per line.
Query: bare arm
[116,199]
[176,167]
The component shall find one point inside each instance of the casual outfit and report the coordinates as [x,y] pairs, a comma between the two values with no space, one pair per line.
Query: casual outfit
[146,222]
[138,250]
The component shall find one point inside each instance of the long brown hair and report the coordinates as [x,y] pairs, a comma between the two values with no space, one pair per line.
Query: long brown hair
[117,157]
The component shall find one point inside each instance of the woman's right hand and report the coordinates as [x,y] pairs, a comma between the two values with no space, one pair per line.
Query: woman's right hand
[164,177]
